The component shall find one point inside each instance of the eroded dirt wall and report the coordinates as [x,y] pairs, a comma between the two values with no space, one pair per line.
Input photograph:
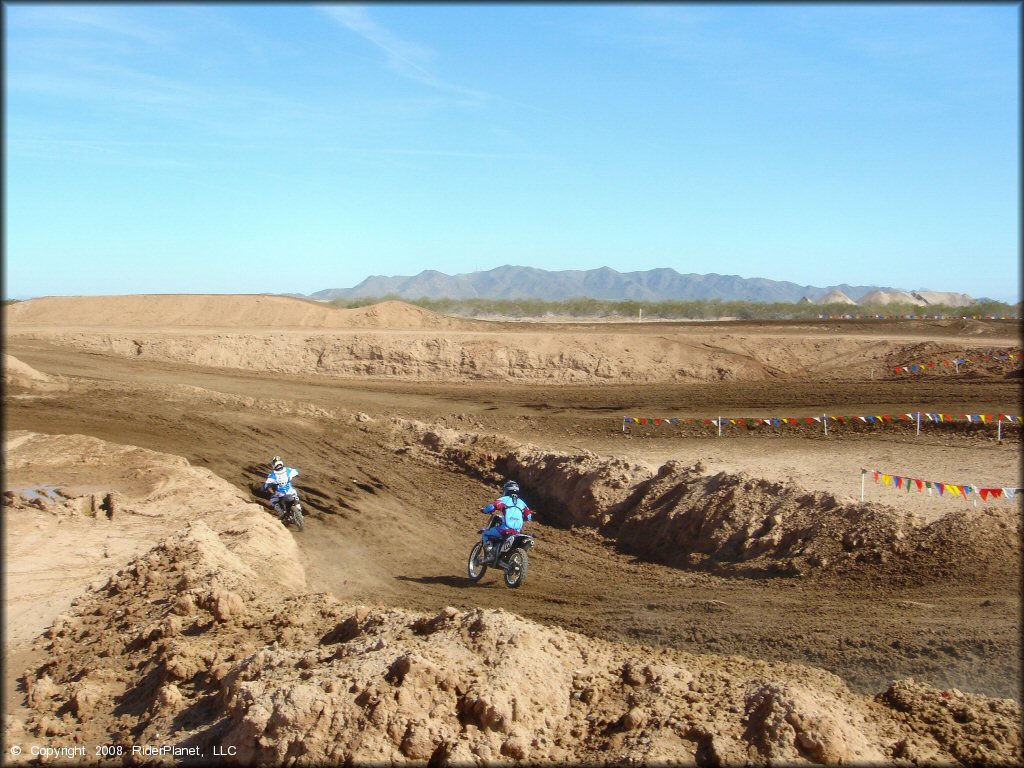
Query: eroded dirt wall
[732,523]
[524,356]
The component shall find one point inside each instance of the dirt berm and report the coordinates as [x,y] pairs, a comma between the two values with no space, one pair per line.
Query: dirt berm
[732,523]
[401,341]
[195,643]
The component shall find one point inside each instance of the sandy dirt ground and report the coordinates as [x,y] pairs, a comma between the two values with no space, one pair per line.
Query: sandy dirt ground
[665,555]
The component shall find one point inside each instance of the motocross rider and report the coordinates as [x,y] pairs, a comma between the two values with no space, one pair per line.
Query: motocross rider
[513,513]
[280,482]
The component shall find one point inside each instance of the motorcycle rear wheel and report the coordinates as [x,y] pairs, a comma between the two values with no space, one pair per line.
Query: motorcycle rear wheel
[477,566]
[515,573]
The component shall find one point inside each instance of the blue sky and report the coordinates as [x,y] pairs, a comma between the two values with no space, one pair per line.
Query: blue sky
[292,148]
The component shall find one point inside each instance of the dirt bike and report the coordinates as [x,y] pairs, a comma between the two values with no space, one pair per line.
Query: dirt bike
[509,555]
[292,510]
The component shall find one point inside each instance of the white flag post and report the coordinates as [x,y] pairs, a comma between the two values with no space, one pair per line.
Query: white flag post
[918,423]
[863,474]
[719,426]
[999,430]
[824,419]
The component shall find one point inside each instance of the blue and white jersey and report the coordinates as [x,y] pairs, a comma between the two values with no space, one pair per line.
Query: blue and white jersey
[513,511]
[283,478]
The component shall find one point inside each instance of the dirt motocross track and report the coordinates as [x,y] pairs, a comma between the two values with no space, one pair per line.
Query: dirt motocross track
[744,566]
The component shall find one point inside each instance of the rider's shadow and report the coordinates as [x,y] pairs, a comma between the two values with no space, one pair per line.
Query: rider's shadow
[448,581]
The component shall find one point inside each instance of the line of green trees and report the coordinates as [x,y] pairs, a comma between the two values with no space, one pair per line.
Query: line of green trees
[700,309]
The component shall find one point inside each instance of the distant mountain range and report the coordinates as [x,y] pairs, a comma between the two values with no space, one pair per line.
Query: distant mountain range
[664,284]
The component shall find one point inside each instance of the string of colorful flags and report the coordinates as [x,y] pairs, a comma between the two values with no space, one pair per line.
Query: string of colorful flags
[956,362]
[900,482]
[777,421]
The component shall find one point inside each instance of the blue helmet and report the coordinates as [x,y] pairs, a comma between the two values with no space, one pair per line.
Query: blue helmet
[510,488]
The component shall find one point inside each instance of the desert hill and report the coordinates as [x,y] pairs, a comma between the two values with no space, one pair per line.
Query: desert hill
[836,297]
[216,311]
[890,297]
[949,298]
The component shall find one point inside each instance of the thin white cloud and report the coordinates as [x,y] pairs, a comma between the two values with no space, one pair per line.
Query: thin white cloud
[57,18]
[403,57]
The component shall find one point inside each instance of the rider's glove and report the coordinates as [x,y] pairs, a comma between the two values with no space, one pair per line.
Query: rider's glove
[272,487]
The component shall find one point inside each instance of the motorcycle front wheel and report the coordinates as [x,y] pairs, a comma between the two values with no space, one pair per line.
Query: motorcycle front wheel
[297,516]
[515,573]
[476,567]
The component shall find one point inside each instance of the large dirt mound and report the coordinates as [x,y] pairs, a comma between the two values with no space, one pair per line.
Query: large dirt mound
[216,311]
[99,504]
[398,314]
[189,647]
[732,523]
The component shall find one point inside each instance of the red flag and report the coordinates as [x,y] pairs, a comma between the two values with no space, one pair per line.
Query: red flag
[887,418]
[920,484]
